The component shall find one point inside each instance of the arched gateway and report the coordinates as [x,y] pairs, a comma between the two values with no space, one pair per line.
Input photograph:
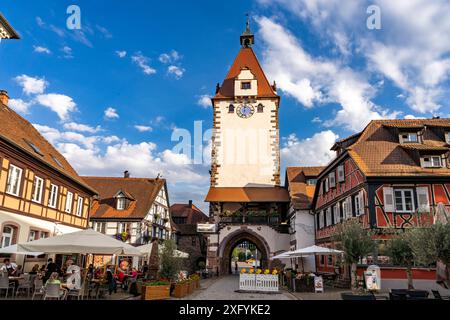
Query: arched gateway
[245,196]
[237,237]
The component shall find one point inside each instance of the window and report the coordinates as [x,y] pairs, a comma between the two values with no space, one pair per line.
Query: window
[14,179]
[423,199]
[321,217]
[341,173]
[38,185]
[53,196]
[330,261]
[231,108]
[409,137]
[33,235]
[69,201]
[311,182]
[246,85]
[34,147]
[447,137]
[332,179]
[57,161]
[329,222]
[347,208]
[432,162]
[404,200]
[100,227]
[336,213]
[359,203]
[7,236]
[43,235]
[121,203]
[260,108]
[322,260]
[326,185]
[80,206]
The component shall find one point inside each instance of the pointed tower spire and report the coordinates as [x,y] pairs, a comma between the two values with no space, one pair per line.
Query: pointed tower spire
[247,37]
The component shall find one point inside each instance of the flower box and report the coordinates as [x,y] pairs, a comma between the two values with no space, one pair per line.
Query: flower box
[190,286]
[156,292]
[180,290]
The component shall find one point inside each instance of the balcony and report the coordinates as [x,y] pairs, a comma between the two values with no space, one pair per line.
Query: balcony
[264,220]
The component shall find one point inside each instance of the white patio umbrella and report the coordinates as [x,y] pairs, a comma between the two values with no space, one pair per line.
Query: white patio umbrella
[13,250]
[147,248]
[284,255]
[313,250]
[84,242]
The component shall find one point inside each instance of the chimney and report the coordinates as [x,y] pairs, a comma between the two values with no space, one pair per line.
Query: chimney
[126,174]
[4,98]
[190,203]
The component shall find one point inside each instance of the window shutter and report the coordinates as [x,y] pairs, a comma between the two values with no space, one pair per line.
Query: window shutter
[361,203]
[332,178]
[388,194]
[349,207]
[341,174]
[423,199]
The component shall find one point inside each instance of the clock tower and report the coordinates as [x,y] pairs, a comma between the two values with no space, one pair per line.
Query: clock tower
[246,200]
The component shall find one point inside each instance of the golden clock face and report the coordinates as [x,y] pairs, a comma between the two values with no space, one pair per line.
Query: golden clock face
[245,110]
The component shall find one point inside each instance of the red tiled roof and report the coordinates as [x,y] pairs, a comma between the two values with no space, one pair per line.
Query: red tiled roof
[300,192]
[17,131]
[247,194]
[378,151]
[193,214]
[246,58]
[142,190]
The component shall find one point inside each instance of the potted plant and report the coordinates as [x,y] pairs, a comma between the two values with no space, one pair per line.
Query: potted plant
[181,289]
[196,280]
[156,290]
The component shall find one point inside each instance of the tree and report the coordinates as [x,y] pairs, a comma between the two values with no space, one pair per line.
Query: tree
[356,242]
[170,264]
[401,253]
[432,244]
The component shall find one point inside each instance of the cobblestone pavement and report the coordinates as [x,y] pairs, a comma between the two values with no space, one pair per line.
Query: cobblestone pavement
[224,289]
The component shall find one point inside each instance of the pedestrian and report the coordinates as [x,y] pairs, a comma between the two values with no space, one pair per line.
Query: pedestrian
[235,267]
[50,269]
[112,286]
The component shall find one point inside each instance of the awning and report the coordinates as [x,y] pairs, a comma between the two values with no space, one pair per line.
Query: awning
[284,255]
[13,250]
[84,242]
[248,194]
[313,250]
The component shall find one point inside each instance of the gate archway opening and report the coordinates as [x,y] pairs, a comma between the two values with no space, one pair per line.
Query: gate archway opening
[254,248]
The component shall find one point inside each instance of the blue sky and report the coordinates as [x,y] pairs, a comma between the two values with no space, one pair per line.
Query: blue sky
[152,63]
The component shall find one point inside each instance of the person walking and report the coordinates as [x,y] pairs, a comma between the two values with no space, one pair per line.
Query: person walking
[112,286]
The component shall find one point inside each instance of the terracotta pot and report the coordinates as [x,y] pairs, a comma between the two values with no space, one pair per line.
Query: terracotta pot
[156,292]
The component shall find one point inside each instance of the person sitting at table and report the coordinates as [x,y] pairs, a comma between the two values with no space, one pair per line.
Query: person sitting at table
[18,271]
[34,270]
[8,267]
[91,271]
[54,279]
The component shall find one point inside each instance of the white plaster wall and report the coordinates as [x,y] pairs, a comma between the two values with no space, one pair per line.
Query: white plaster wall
[304,234]
[243,146]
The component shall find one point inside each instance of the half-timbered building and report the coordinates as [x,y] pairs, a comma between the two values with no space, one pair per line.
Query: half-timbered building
[391,176]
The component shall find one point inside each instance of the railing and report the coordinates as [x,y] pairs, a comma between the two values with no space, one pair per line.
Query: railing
[259,282]
[273,220]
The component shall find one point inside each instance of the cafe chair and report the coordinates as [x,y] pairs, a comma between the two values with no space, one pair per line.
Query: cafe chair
[53,291]
[38,288]
[6,285]
[25,285]
[437,295]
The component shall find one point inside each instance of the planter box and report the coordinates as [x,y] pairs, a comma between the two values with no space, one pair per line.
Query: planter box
[259,282]
[180,290]
[196,283]
[190,286]
[156,292]
[301,285]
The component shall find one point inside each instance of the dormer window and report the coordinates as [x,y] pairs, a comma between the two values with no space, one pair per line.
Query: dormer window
[246,85]
[121,202]
[409,137]
[432,162]
[311,182]
[231,108]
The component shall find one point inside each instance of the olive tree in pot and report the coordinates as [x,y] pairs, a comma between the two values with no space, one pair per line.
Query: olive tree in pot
[170,264]
[401,253]
[356,242]
[431,245]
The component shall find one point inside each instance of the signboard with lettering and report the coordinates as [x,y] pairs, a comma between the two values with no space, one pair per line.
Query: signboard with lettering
[372,277]
[318,284]
[206,228]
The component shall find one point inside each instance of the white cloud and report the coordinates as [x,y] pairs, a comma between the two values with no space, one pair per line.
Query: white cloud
[81,127]
[412,49]
[105,32]
[19,105]
[204,101]
[143,62]
[31,85]
[121,54]
[171,57]
[111,113]
[315,80]
[142,128]
[59,103]
[311,151]
[176,71]
[40,49]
